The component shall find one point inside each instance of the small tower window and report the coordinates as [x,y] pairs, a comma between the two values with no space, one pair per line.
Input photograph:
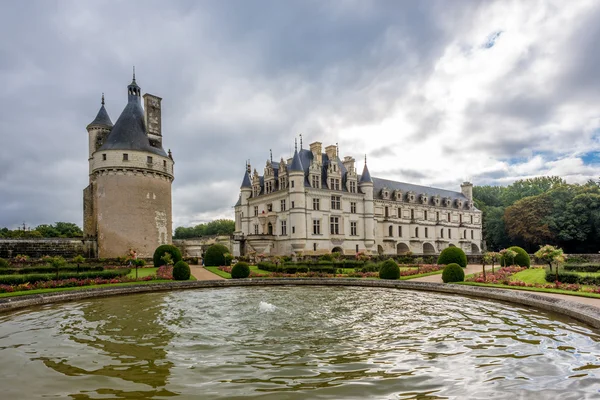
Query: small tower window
[149,160]
[103,157]
[125,157]
[165,163]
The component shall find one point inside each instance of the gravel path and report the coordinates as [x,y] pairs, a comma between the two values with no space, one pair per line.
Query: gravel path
[202,274]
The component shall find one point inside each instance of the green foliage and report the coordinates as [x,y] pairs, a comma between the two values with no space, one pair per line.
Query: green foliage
[326,257]
[217,227]
[181,271]
[228,258]
[32,278]
[57,262]
[240,270]
[580,267]
[78,259]
[521,258]
[160,251]
[215,255]
[389,270]
[139,262]
[549,254]
[4,263]
[46,269]
[453,273]
[452,255]
[167,259]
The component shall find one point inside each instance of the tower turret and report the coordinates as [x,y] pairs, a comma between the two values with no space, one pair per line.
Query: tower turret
[366,187]
[98,129]
[297,199]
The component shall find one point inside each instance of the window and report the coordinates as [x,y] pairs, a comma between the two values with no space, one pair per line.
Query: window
[352,187]
[412,214]
[357,248]
[399,213]
[353,207]
[125,157]
[283,228]
[437,216]
[270,207]
[417,231]
[293,229]
[387,211]
[282,205]
[316,226]
[315,181]
[465,235]
[292,204]
[268,187]
[149,159]
[353,228]
[471,219]
[255,229]
[103,157]
[334,225]
[337,184]
[314,247]
[426,232]
[316,204]
[391,231]
[425,215]
[442,233]
[255,211]
[449,234]
[399,231]
[471,234]
[449,218]
[336,202]
[165,163]
[334,183]
[292,183]
[460,218]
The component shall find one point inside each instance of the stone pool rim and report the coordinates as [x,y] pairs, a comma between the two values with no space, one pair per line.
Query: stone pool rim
[581,312]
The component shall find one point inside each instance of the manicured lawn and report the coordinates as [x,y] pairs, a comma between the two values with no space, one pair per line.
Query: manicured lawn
[405,278]
[142,272]
[531,275]
[217,271]
[531,289]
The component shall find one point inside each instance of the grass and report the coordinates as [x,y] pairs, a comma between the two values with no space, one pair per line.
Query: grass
[532,289]
[405,278]
[531,275]
[217,271]
[142,272]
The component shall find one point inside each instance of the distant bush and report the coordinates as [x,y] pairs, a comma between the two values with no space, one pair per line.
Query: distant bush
[589,267]
[521,259]
[32,278]
[160,252]
[452,255]
[215,255]
[191,260]
[4,263]
[571,277]
[181,271]
[327,257]
[46,269]
[389,270]
[240,270]
[453,273]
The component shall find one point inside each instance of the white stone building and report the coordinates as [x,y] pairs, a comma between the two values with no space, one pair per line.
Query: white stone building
[316,203]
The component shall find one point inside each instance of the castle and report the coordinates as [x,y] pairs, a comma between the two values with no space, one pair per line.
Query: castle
[316,203]
[127,204]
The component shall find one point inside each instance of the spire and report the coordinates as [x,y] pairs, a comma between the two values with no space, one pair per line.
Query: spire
[134,73]
[134,92]
[366,176]
[300,141]
[271,154]
[296,164]
[246,180]
[102,118]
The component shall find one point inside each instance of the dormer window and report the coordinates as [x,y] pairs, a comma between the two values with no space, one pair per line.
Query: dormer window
[424,198]
[436,200]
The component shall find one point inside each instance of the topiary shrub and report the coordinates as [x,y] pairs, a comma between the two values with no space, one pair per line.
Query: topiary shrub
[389,270]
[4,263]
[521,259]
[452,255]
[453,273]
[240,270]
[215,255]
[181,271]
[160,252]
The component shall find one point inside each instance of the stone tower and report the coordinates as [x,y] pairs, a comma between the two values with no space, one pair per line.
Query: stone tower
[127,204]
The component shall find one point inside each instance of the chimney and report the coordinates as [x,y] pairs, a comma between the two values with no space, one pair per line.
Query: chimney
[467,189]
[349,163]
[331,151]
[315,148]
[153,118]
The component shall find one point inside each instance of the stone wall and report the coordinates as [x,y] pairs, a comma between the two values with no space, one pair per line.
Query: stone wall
[36,248]
[195,247]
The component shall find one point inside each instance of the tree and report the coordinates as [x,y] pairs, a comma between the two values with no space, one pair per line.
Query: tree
[529,187]
[526,221]
[216,227]
[549,254]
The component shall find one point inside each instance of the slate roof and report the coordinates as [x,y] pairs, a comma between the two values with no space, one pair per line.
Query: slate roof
[365,176]
[102,119]
[246,181]
[296,164]
[129,132]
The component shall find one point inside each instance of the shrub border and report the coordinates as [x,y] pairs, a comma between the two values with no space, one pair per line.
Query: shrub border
[582,312]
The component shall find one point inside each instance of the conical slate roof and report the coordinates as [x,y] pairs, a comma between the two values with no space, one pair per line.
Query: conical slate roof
[246,181]
[102,119]
[129,132]
[296,164]
[366,176]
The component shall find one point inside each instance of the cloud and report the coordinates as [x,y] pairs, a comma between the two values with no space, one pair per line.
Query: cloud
[434,94]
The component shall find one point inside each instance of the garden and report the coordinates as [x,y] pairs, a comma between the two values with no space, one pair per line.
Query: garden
[22,275]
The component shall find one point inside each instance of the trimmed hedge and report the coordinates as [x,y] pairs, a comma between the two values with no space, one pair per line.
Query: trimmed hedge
[571,277]
[389,270]
[160,252]
[46,269]
[4,263]
[181,271]
[582,267]
[453,255]
[521,259]
[453,273]
[20,279]
[215,255]
[240,270]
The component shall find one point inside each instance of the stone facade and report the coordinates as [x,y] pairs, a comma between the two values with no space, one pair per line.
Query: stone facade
[127,204]
[316,203]
[195,247]
[37,248]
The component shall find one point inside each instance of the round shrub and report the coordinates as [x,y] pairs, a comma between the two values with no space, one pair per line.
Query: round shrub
[521,259]
[452,255]
[453,273]
[166,248]
[4,263]
[181,271]
[240,270]
[215,255]
[389,270]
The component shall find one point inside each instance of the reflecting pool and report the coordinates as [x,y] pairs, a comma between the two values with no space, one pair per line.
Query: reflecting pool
[296,343]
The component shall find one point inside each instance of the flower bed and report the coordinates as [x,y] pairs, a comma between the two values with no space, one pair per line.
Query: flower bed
[421,269]
[72,282]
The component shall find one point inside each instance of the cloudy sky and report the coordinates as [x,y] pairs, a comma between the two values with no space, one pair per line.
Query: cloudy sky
[434,92]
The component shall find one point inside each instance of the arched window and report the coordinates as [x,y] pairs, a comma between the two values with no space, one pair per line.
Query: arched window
[391,231]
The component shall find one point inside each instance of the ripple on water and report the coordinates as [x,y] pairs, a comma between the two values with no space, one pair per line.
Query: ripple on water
[296,343]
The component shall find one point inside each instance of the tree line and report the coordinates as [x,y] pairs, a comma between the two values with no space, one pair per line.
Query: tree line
[216,227]
[58,230]
[538,211]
